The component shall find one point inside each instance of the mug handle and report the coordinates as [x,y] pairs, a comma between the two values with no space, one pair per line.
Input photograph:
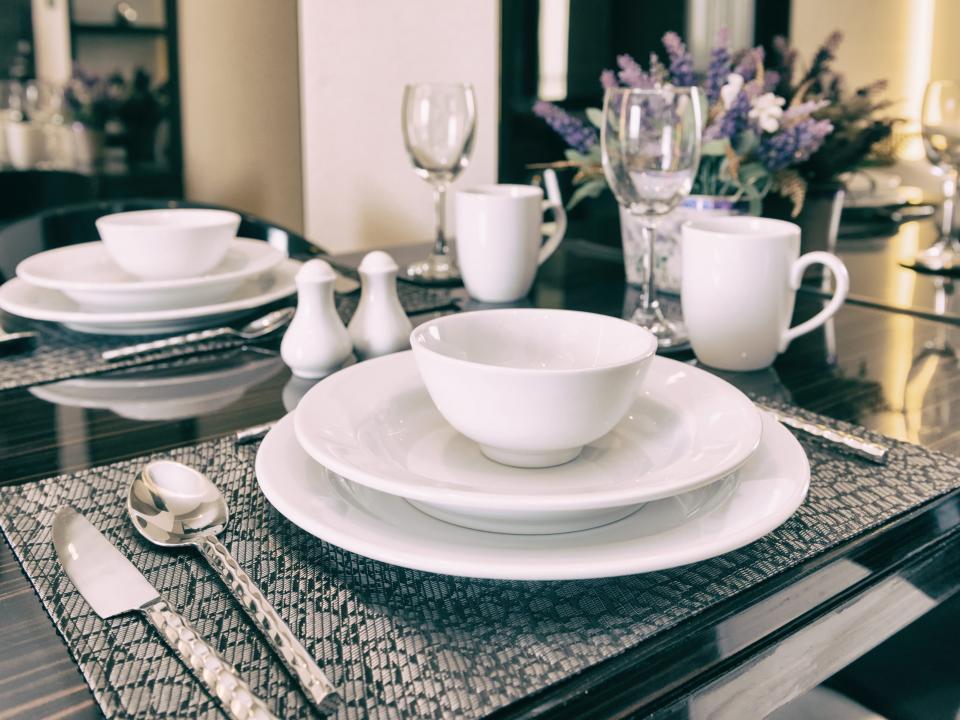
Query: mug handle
[840,277]
[553,202]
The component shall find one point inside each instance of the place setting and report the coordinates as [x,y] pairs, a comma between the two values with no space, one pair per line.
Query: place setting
[145,294]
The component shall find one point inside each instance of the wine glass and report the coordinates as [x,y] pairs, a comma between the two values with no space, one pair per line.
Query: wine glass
[439,125]
[650,147]
[940,124]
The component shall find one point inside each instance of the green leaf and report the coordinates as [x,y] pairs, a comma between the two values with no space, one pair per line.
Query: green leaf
[595,116]
[715,148]
[747,143]
[590,189]
[575,157]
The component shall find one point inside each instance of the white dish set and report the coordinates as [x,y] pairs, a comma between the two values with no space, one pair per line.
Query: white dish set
[156,271]
[531,444]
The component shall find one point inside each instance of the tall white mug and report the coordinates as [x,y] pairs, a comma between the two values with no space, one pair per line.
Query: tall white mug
[740,279]
[500,238]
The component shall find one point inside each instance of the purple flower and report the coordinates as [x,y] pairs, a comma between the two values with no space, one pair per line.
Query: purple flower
[803,110]
[631,74]
[749,63]
[793,144]
[733,121]
[608,79]
[719,66]
[681,63]
[577,134]
[658,71]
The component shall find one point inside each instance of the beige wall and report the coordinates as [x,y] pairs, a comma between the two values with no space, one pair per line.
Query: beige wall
[359,188]
[51,39]
[241,106]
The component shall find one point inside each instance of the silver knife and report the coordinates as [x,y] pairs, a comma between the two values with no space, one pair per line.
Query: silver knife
[844,441]
[112,585]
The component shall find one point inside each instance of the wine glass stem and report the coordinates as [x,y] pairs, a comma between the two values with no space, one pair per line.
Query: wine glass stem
[648,292]
[440,202]
[949,202]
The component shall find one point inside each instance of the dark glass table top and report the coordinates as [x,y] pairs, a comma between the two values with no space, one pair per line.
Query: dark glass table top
[886,370]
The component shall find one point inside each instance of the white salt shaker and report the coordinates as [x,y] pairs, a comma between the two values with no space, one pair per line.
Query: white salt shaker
[379,326]
[316,343]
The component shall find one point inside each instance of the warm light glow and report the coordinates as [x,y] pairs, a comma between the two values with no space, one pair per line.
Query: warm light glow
[553,32]
[917,59]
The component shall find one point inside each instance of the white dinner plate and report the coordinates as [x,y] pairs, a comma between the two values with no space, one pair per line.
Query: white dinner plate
[663,534]
[85,273]
[19,297]
[374,423]
[144,397]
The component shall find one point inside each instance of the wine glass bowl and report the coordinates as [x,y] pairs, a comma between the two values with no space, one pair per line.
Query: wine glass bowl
[650,149]
[940,129]
[439,126]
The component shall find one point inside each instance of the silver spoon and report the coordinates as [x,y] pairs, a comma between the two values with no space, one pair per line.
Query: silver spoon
[173,505]
[261,327]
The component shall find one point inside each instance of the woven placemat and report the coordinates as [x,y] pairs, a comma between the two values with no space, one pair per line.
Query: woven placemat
[400,642]
[61,353]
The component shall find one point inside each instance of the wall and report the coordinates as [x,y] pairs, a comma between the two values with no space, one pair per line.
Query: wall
[51,40]
[241,106]
[359,188]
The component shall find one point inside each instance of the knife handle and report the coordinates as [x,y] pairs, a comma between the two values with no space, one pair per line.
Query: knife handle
[171,342]
[207,664]
[319,691]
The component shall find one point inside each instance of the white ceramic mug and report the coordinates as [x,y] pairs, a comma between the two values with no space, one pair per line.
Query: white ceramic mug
[740,278]
[500,239]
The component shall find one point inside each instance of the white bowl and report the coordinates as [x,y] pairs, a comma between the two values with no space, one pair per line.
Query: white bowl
[532,386]
[168,243]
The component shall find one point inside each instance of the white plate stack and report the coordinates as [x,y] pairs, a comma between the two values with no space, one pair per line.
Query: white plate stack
[692,470]
[91,288]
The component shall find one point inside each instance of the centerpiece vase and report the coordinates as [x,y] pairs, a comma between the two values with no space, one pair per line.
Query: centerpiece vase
[666,255]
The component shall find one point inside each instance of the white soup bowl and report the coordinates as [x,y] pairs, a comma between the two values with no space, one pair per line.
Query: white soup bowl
[532,386]
[166,244]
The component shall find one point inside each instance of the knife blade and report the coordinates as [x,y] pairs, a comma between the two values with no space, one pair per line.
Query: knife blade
[112,585]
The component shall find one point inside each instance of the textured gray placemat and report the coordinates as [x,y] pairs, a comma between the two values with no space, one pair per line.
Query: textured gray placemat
[62,353]
[402,643]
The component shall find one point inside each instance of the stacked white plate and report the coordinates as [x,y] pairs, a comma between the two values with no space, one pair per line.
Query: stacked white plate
[81,287]
[694,470]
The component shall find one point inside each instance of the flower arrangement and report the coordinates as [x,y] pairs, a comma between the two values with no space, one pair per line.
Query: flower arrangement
[754,138]
[859,127]
[94,100]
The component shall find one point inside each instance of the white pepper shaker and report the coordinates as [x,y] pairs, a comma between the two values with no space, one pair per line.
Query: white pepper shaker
[316,343]
[379,326]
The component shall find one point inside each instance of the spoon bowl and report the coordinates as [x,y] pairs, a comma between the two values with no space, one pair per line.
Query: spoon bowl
[173,505]
[266,324]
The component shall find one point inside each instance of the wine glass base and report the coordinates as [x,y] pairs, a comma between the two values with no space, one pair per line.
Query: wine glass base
[943,255]
[669,334]
[435,270]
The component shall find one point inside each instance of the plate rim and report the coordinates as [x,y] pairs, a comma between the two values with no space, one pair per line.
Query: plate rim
[533,502]
[751,530]
[270,258]
[283,275]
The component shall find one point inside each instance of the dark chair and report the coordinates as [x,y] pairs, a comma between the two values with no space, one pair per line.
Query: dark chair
[75,224]
[25,192]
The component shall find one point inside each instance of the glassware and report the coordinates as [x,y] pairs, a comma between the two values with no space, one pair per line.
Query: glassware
[940,124]
[439,124]
[650,147]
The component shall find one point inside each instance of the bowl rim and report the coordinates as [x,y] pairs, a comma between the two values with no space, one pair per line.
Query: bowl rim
[216,217]
[648,352]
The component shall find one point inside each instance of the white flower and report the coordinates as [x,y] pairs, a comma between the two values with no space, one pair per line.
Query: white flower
[767,109]
[729,92]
